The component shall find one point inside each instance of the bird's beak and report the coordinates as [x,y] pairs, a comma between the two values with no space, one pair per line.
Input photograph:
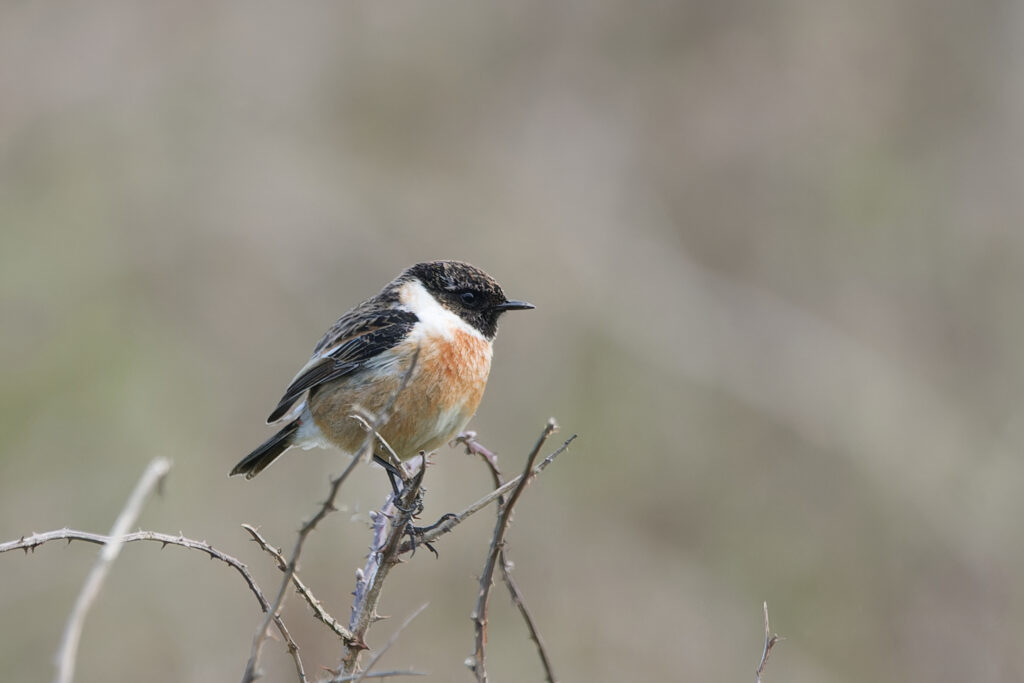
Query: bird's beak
[514,306]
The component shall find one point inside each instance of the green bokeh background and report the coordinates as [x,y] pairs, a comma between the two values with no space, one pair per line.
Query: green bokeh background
[777,255]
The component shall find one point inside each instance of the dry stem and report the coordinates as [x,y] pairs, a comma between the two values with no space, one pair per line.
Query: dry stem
[770,639]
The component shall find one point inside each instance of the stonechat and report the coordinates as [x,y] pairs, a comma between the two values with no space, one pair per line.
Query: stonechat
[442,313]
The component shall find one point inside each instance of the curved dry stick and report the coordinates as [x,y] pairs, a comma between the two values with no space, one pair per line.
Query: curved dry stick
[68,650]
[30,543]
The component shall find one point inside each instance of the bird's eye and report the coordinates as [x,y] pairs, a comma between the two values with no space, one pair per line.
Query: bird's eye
[467,297]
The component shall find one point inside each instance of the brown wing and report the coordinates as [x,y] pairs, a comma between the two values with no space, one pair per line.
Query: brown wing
[355,339]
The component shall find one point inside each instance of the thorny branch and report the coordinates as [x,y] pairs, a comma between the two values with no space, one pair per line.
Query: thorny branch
[387,646]
[30,543]
[384,551]
[477,662]
[318,609]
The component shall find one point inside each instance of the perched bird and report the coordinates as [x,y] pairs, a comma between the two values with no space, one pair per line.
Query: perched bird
[446,312]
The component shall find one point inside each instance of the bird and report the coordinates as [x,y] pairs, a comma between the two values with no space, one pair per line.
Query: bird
[433,328]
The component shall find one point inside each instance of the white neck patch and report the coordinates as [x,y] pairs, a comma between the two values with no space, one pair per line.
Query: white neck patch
[435,319]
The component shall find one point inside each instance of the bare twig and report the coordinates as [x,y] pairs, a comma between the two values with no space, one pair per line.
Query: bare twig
[318,609]
[474,447]
[452,521]
[326,508]
[68,650]
[477,662]
[30,543]
[491,460]
[770,639]
[391,641]
[384,551]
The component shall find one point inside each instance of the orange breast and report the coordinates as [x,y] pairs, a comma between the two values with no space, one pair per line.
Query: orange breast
[457,368]
[440,398]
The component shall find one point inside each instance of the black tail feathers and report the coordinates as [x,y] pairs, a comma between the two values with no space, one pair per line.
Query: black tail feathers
[259,459]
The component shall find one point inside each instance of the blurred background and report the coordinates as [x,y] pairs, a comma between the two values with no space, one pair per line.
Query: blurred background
[777,255]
